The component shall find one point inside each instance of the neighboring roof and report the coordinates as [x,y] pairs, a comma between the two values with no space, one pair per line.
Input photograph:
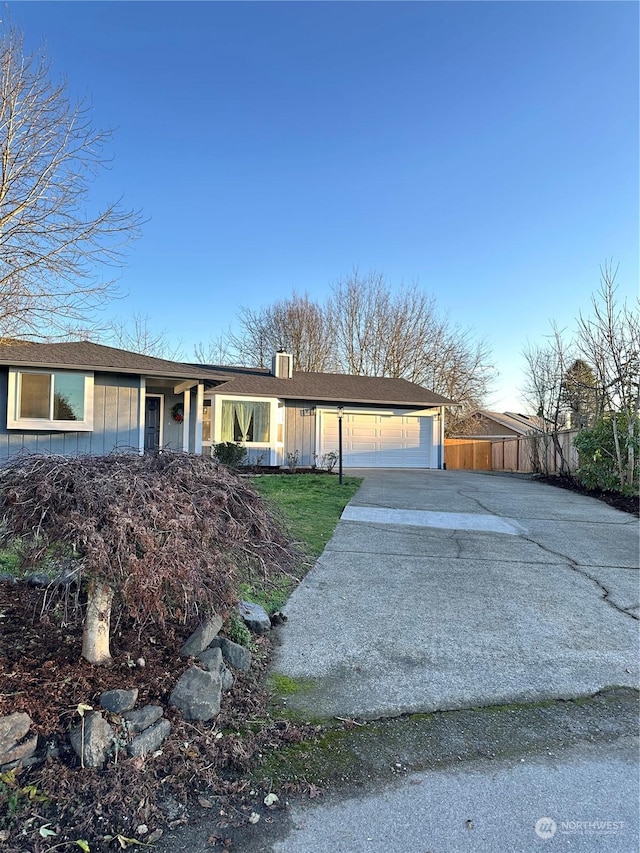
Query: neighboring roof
[326,387]
[83,355]
[518,423]
[529,421]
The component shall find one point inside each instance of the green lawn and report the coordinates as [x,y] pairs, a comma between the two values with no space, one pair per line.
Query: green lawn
[311,505]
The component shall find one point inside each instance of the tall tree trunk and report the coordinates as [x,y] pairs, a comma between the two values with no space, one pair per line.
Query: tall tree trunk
[95,638]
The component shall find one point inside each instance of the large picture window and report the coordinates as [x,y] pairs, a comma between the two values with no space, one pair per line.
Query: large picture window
[244,421]
[50,400]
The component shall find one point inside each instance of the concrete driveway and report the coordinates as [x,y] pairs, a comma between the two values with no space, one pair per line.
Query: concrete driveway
[446,589]
[451,590]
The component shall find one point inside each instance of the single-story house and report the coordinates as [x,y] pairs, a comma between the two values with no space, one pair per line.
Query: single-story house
[82,397]
[483,424]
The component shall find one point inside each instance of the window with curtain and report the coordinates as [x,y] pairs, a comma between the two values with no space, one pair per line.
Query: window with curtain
[245,421]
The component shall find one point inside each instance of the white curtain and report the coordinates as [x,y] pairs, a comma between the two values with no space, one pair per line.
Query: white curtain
[243,413]
[226,432]
[261,422]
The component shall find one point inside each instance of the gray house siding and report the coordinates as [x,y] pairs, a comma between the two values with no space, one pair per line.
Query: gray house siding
[300,430]
[115,402]
[115,422]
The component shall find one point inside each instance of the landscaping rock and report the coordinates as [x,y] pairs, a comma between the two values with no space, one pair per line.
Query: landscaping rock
[234,654]
[197,694]
[38,579]
[8,578]
[68,574]
[118,701]
[138,721]
[213,661]
[15,745]
[201,637]
[150,739]
[20,754]
[212,658]
[226,677]
[13,728]
[255,617]
[97,741]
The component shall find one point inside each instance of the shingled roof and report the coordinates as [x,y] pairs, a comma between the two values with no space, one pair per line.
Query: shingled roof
[83,355]
[327,387]
[244,381]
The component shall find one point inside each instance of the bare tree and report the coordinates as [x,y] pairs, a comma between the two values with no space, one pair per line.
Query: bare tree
[216,351]
[546,369]
[298,325]
[368,328]
[610,341]
[138,336]
[52,246]
[399,333]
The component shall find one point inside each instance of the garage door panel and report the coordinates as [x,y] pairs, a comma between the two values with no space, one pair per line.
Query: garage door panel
[380,441]
[389,432]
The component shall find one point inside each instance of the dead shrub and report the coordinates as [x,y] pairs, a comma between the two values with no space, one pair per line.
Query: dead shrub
[171,533]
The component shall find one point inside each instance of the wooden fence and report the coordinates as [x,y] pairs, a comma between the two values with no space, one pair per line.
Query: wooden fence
[523,454]
[467,454]
[534,453]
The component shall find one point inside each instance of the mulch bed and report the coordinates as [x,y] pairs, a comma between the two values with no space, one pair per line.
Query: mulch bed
[625,503]
[202,765]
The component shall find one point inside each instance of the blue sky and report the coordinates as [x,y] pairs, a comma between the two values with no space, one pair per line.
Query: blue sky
[487,151]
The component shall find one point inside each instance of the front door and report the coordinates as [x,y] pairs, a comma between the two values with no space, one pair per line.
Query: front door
[152,424]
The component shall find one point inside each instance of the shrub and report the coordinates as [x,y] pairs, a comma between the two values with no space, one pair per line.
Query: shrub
[237,631]
[293,459]
[230,453]
[169,536]
[599,459]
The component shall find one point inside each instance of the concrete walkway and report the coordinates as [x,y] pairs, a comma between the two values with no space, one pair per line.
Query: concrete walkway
[448,589]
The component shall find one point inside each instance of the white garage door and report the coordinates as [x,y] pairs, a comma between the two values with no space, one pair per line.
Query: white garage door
[380,441]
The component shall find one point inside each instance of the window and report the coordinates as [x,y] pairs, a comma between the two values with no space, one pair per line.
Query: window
[50,400]
[245,421]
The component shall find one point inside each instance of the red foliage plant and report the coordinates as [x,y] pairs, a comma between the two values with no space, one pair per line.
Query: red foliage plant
[171,534]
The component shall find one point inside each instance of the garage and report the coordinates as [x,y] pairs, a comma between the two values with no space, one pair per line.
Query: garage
[379,440]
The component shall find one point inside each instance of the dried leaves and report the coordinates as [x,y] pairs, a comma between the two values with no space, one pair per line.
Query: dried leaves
[170,533]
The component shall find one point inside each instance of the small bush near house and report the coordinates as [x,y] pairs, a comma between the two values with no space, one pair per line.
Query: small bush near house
[230,453]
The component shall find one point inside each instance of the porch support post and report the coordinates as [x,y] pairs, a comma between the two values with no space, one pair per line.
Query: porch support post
[186,422]
[199,407]
[142,396]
